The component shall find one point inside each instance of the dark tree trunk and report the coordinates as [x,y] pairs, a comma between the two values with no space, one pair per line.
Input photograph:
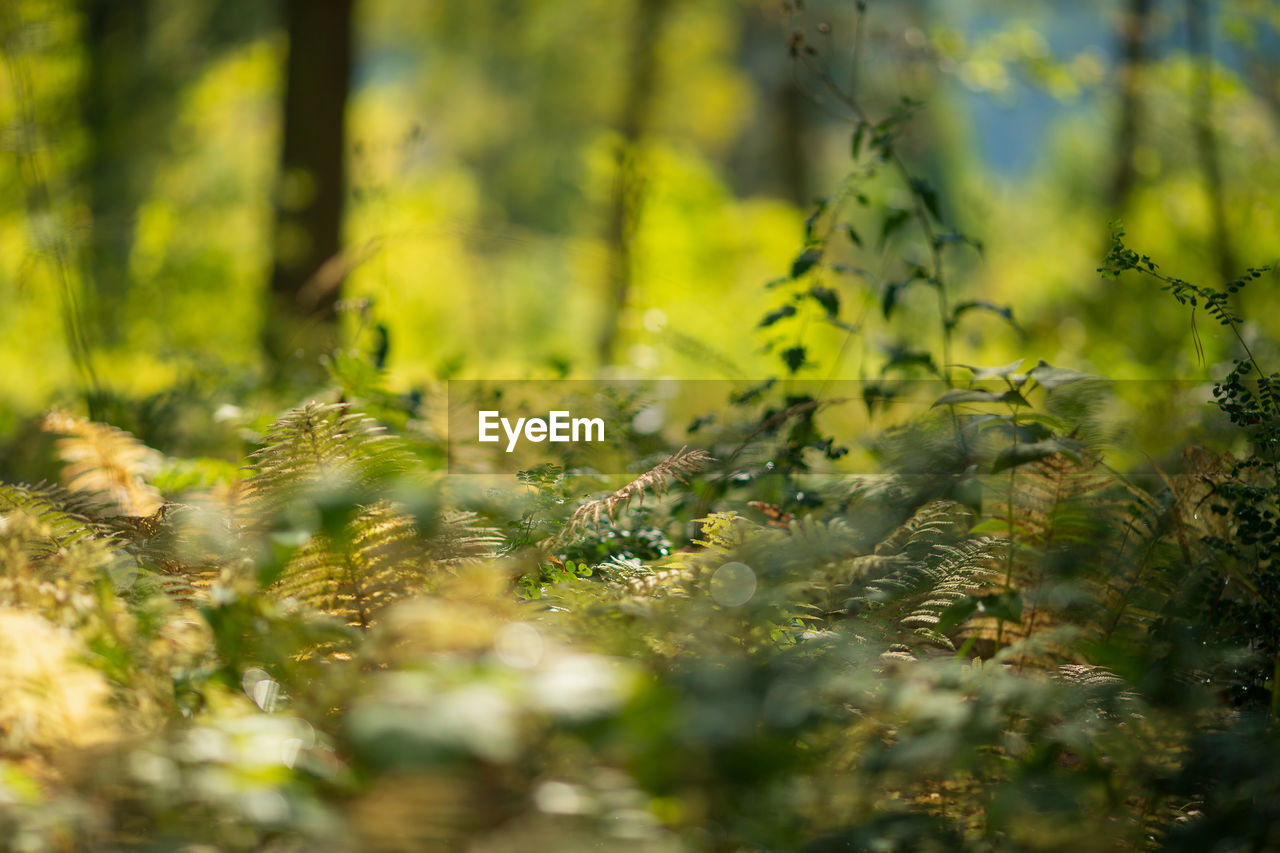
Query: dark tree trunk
[629,182]
[306,281]
[1198,41]
[1133,55]
[115,100]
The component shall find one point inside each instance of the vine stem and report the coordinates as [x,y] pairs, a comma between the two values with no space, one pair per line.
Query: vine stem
[1013,471]
[919,212]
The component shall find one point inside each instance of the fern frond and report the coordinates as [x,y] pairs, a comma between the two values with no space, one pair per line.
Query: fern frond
[680,465]
[51,577]
[1059,500]
[459,538]
[101,459]
[381,559]
[1161,545]
[1077,526]
[935,523]
[1089,676]
[723,532]
[48,697]
[967,569]
[318,441]
[68,516]
[656,583]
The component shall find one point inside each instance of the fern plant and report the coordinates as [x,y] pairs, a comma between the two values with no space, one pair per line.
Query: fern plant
[1240,591]
[359,551]
[678,466]
[103,460]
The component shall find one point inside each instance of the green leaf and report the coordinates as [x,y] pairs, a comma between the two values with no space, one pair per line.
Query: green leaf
[1027,430]
[827,298]
[993,372]
[853,235]
[928,196]
[776,315]
[1003,605]
[1021,454]
[966,395]
[956,614]
[890,300]
[805,261]
[892,223]
[900,358]
[794,358]
[1013,398]
[999,605]
[956,238]
[981,305]
[859,134]
[812,219]
[1051,377]
[873,395]
[978,395]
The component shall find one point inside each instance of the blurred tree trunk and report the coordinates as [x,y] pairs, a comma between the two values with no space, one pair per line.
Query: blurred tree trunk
[628,187]
[1133,55]
[791,148]
[301,319]
[116,97]
[1198,43]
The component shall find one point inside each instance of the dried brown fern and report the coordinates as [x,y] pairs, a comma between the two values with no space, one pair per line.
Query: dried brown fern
[103,460]
[680,465]
[49,698]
